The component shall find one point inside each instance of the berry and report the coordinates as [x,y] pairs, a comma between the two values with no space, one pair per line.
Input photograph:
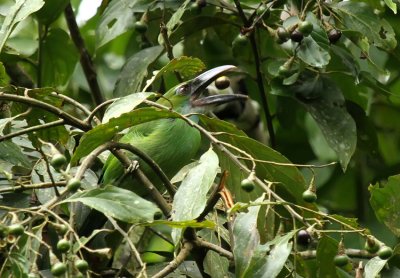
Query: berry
[61,229]
[296,36]
[305,27]
[264,12]
[140,27]
[201,3]
[73,184]
[158,215]
[371,246]
[240,40]
[334,35]
[284,71]
[247,185]
[16,229]
[222,82]
[58,269]
[283,34]
[309,196]
[58,160]
[63,245]
[303,238]
[385,252]
[341,260]
[81,265]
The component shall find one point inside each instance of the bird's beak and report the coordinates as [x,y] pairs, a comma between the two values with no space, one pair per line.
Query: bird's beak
[201,82]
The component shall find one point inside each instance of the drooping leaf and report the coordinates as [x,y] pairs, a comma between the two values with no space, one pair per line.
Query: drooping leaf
[59,58]
[118,203]
[391,5]
[359,16]
[324,101]
[385,202]
[191,197]
[124,105]
[186,67]
[373,267]
[246,238]
[286,175]
[18,12]
[51,11]
[105,132]
[326,250]
[135,70]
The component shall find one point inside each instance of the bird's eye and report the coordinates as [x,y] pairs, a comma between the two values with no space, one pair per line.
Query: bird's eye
[181,90]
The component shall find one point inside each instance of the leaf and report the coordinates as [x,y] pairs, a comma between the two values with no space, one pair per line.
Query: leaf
[385,202]
[51,11]
[13,154]
[326,250]
[360,17]
[373,267]
[118,203]
[59,58]
[288,176]
[312,54]
[186,67]
[124,105]
[246,238]
[183,224]
[326,104]
[191,197]
[174,21]
[270,265]
[105,132]
[135,70]
[18,12]
[215,265]
[391,5]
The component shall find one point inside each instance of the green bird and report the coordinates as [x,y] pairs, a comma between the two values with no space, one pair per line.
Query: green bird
[171,143]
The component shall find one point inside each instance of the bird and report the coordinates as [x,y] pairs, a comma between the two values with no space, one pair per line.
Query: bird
[171,143]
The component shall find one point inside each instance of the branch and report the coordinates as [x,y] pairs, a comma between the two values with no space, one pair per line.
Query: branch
[354,253]
[69,119]
[180,258]
[18,188]
[86,60]
[208,245]
[31,129]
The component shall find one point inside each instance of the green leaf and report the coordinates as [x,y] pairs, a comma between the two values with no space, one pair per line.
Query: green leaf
[135,70]
[51,10]
[270,264]
[391,5]
[124,105]
[186,67]
[360,17]
[18,12]
[286,175]
[312,54]
[105,132]
[59,58]
[246,238]
[216,265]
[326,104]
[373,267]
[19,265]
[326,250]
[191,197]
[385,202]
[118,203]
[13,154]
[183,224]
[4,79]
[174,21]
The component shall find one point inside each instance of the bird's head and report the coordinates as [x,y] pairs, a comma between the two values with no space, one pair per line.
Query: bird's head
[192,96]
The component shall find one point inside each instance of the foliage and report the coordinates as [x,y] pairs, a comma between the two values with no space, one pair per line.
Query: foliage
[301,180]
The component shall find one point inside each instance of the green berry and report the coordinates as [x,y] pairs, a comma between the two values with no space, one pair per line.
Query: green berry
[63,245]
[158,215]
[305,27]
[385,252]
[58,269]
[81,265]
[309,196]
[282,34]
[371,246]
[284,71]
[73,184]
[61,229]
[247,185]
[264,12]
[222,82]
[240,40]
[140,27]
[341,260]
[58,160]
[16,229]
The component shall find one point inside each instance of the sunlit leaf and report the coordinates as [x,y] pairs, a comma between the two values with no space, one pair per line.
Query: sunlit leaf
[118,203]
[391,5]
[373,267]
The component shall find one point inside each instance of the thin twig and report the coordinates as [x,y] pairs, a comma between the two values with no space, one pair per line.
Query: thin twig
[180,258]
[19,188]
[96,109]
[69,119]
[31,129]
[208,245]
[86,60]
[354,253]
